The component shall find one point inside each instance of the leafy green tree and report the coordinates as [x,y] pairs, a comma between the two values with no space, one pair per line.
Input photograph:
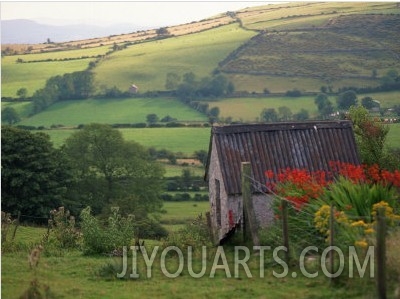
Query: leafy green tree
[152,118]
[162,31]
[324,105]
[22,93]
[390,78]
[202,156]
[285,113]
[34,175]
[269,115]
[369,103]
[346,99]
[370,135]
[10,115]
[301,115]
[112,171]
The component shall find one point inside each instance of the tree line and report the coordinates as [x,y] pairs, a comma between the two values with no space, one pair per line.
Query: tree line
[70,86]
[95,167]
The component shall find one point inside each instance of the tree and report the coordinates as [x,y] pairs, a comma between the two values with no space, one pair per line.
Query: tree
[202,156]
[162,31]
[34,175]
[370,135]
[301,115]
[346,99]
[269,115]
[22,93]
[10,115]
[285,113]
[112,171]
[369,103]
[324,105]
[390,78]
[152,118]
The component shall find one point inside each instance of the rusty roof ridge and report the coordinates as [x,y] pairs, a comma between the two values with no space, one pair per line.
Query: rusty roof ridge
[254,127]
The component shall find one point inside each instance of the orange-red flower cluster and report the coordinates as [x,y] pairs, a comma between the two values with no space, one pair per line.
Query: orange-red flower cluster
[299,186]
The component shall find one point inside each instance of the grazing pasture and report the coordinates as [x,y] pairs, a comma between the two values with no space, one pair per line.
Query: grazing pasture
[113,111]
[33,76]
[178,140]
[147,64]
[393,138]
[73,275]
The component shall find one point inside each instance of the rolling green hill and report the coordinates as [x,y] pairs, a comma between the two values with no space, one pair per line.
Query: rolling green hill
[277,47]
[147,64]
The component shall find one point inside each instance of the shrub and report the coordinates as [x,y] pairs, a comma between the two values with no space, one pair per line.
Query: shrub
[195,234]
[97,239]
[62,229]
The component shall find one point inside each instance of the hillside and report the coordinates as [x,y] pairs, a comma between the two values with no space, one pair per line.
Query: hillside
[278,47]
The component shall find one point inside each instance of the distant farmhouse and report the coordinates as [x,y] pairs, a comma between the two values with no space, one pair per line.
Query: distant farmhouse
[133,88]
[275,146]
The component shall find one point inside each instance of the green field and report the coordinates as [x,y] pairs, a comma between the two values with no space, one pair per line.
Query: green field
[178,140]
[33,76]
[184,210]
[112,111]
[393,138]
[147,64]
[249,109]
[67,54]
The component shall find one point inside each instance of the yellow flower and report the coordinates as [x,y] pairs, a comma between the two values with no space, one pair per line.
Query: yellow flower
[362,243]
[359,223]
[369,230]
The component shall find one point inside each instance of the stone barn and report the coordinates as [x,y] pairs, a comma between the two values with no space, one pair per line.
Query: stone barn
[269,146]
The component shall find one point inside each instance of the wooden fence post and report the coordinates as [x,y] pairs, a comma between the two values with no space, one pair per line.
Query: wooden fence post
[16,225]
[250,221]
[381,253]
[285,230]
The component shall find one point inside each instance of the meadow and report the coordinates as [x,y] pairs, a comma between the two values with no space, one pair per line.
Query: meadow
[33,76]
[113,111]
[183,140]
[147,64]
[70,274]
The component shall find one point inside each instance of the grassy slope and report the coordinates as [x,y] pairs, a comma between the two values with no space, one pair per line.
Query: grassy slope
[33,76]
[290,58]
[147,64]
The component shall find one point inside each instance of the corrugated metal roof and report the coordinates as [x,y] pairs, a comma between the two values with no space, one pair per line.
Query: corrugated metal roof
[276,146]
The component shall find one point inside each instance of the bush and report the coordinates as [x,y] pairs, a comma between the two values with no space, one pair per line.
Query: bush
[62,232]
[195,234]
[149,228]
[98,239]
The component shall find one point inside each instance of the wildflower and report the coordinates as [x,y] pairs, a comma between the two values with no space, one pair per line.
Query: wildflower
[369,230]
[362,243]
[358,223]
